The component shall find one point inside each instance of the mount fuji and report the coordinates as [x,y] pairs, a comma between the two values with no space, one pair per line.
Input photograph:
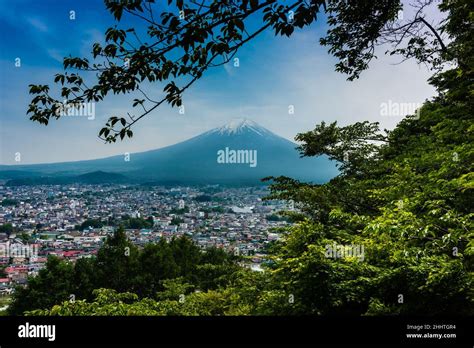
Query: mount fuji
[240,152]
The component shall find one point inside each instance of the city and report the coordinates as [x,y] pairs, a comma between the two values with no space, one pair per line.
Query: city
[72,221]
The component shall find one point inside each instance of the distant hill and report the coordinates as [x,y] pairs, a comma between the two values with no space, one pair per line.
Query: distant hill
[241,152]
[97,177]
[17,174]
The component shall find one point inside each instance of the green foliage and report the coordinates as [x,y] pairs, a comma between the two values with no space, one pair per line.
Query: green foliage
[354,28]
[203,198]
[110,303]
[176,298]
[179,211]
[176,221]
[3,274]
[6,228]
[276,217]
[117,262]
[4,302]
[122,267]
[53,284]
[9,202]
[407,200]
[94,223]
[25,238]
[137,223]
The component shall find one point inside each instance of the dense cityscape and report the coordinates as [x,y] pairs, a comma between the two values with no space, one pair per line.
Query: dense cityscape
[72,221]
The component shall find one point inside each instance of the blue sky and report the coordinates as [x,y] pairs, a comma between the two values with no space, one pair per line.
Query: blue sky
[274,72]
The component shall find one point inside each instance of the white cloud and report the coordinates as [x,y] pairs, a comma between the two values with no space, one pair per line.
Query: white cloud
[38,24]
[92,36]
[56,54]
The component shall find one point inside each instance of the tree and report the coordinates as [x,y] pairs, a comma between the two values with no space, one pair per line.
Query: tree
[110,303]
[85,278]
[24,237]
[6,228]
[187,39]
[117,262]
[156,271]
[404,196]
[186,255]
[138,223]
[176,220]
[53,284]
[215,269]
[6,202]
[157,263]
[94,223]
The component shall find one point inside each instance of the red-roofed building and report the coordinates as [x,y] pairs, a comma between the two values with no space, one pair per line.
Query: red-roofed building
[71,253]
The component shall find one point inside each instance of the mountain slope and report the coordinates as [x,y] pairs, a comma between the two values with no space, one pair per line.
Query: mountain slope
[197,160]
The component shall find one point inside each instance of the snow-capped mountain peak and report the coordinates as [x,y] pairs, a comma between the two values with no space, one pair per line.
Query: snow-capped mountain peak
[241,125]
[199,160]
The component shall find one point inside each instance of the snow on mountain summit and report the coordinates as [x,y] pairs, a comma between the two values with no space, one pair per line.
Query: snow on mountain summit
[241,125]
